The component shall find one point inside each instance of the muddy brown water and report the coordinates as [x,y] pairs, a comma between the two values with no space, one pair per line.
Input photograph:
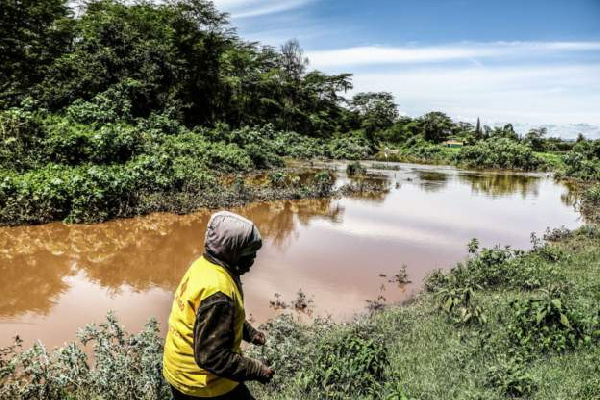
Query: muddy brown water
[56,278]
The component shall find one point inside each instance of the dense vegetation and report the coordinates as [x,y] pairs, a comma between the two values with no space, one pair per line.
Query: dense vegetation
[504,324]
[129,107]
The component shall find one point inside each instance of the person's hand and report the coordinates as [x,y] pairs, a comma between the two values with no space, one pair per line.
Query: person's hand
[259,339]
[266,374]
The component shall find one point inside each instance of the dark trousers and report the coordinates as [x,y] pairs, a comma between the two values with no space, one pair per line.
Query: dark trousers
[240,392]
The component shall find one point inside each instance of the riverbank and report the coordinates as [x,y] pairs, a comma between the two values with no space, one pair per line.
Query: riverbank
[505,323]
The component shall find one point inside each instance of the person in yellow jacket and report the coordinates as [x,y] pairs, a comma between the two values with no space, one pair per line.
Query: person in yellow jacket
[202,356]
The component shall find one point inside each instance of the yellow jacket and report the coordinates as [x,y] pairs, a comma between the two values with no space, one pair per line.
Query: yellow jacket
[202,355]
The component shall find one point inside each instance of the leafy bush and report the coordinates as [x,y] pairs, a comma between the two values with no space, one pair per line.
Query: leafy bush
[511,378]
[348,148]
[590,203]
[550,323]
[346,364]
[506,268]
[460,305]
[500,153]
[123,366]
[22,136]
[583,162]
[355,168]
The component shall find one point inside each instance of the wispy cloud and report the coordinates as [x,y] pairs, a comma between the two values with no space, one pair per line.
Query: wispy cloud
[373,55]
[535,94]
[239,9]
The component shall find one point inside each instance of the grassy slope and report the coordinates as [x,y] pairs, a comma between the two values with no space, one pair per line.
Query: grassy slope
[433,358]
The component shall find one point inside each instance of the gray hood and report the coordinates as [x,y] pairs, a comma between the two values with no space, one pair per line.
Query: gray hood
[230,236]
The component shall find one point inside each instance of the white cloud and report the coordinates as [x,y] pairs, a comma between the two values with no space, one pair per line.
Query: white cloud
[372,55]
[536,94]
[253,8]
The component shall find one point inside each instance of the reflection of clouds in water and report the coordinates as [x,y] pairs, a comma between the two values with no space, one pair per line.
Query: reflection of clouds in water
[142,253]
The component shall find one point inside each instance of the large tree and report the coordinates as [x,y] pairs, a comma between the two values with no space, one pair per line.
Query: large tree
[376,110]
[32,34]
[436,126]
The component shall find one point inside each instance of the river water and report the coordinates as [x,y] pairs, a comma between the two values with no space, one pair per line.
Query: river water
[340,252]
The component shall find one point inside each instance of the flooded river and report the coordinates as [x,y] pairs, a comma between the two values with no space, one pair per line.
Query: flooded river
[340,252]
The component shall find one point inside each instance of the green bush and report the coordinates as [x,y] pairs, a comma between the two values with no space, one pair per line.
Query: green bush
[590,203]
[21,141]
[355,168]
[500,153]
[123,366]
[500,268]
[348,148]
[550,323]
[511,377]
[583,162]
[348,364]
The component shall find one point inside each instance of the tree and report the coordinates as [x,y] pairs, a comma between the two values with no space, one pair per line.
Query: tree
[375,110]
[535,138]
[33,33]
[293,61]
[507,131]
[478,133]
[435,126]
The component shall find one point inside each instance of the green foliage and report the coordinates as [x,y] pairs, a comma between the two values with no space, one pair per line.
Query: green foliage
[435,126]
[460,305]
[343,360]
[500,153]
[583,162]
[355,168]
[551,323]
[492,268]
[123,366]
[33,34]
[590,203]
[376,111]
[354,147]
[21,131]
[511,377]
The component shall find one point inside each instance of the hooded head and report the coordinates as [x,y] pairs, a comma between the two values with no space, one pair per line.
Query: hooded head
[232,241]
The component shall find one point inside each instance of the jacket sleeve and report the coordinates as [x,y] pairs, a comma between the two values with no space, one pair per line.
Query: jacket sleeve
[213,341]
[249,332]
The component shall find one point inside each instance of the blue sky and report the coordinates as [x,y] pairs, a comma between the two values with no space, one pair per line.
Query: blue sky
[529,62]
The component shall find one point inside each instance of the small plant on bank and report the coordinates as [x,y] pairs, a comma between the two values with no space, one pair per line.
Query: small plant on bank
[123,366]
[460,305]
[347,365]
[401,278]
[355,168]
[511,378]
[550,324]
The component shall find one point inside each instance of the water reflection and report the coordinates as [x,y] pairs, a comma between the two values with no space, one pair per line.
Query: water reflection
[502,184]
[432,181]
[142,253]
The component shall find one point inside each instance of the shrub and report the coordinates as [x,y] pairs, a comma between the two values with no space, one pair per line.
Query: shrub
[460,305]
[350,363]
[22,136]
[348,148]
[124,366]
[355,168]
[583,162]
[590,203]
[497,267]
[500,153]
[511,378]
[550,323]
